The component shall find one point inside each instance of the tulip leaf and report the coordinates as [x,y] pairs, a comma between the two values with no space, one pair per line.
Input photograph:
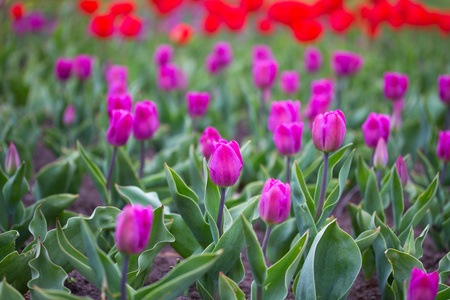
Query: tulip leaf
[254,253]
[134,195]
[366,238]
[4,226]
[55,295]
[15,268]
[212,200]
[372,200]
[443,294]
[228,289]
[7,243]
[185,242]
[280,239]
[362,175]
[419,242]
[402,264]
[430,171]
[8,292]
[329,274]
[38,226]
[15,188]
[195,172]
[444,268]
[397,199]
[186,202]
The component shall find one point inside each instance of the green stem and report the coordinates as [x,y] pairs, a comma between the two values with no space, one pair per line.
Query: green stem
[142,160]
[447,118]
[123,283]
[259,291]
[379,173]
[220,216]
[288,169]
[266,239]
[323,186]
[444,167]
[111,167]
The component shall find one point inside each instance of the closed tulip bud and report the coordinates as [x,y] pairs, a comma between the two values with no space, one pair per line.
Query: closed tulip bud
[145,120]
[323,87]
[116,73]
[396,120]
[223,53]
[82,66]
[275,203]
[226,163]
[312,59]
[209,137]
[283,111]
[380,157]
[264,73]
[443,146]
[346,63]
[163,55]
[117,87]
[63,68]
[169,77]
[119,101]
[133,228]
[318,104]
[375,127]
[120,126]
[130,26]
[402,171]
[69,115]
[328,131]
[444,88]
[261,52]
[422,285]
[288,138]
[197,103]
[12,162]
[289,82]
[212,64]
[395,85]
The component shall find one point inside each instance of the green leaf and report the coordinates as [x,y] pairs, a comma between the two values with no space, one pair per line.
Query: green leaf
[402,264]
[228,289]
[397,199]
[444,268]
[212,200]
[366,238]
[7,243]
[15,188]
[8,292]
[409,246]
[329,274]
[254,253]
[195,172]
[368,264]
[185,242]
[362,175]
[372,199]
[38,226]
[4,226]
[135,195]
[280,239]
[428,167]
[443,294]
[55,295]
[419,242]
[186,202]
[15,268]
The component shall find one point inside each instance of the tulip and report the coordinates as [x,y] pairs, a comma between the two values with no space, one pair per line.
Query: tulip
[102,25]
[395,85]
[209,137]
[181,33]
[63,67]
[122,7]
[265,26]
[443,146]
[402,171]
[12,161]
[283,111]
[212,64]
[119,101]
[82,66]
[261,52]
[323,87]
[88,6]
[422,285]
[318,104]
[264,73]
[312,59]
[69,115]
[117,87]
[380,157]
[288,138]
[211,24]
[171,78]
[328,131]
[117,73]
[163,55]
[289,82]
[396,119]
[444,88]
[375,127]
[346,63]
[130,26]
[197,103]
[224,53]
[16,11]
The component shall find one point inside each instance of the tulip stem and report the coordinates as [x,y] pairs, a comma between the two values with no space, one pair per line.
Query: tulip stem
[266,239]
[338,93]
[323,186]
[194,125]
[288,169]
[259,291]
[371,159]
[123,284]
[447,118]
[379,173]
[142,160]
[220,216]
[111,167]
[444,167]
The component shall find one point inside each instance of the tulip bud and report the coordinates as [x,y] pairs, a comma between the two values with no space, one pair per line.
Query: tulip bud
[12,162]
[209,137]
[323,87]
[130,26]
[402,171]
[226,163]
[444,88]
[288,138]
[117,87]
[120,126]
[375,127]
[223,53]
[212,64]
[283,111]
[82,66]
[181,33]
[380,157]
[145,120]
[318,104]
[396,120]
[261,52]
[133,228]
[63,68]
[264,73]
[289,82]
[346,63]
[422,285]
[443,146]
[117,73]
[119,101]
[197,103]
[16,11]
[328,131]
[69,115]
[275,203]
[163,55]
[171,78]
[395,85]
[312,59]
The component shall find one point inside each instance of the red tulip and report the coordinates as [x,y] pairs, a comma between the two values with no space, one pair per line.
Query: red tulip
[17,10]
[265,26]
[130,26]
[307,30]
[211,24]
[251,5]
[181,33]
[165,6]
[288,12]
[88,6]
[341,20]
[122,7]
[102,25]
[234,18]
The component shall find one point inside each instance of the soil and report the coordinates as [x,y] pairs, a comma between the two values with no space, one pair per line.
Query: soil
[89,199]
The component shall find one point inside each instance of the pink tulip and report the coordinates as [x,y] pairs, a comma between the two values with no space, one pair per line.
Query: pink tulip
[289,82]
[318,104]
[209,137]
[145,120]
[223,53]
[443,146]
[283,111]
[323,87]
[402,171]
[328,131]
[288,138]
[264,73]
[395,85]
[197,103]
[63,68]
[275,203]
[261,52]
[346,63]
[12,161]
[380,157]
[226,163]
[375,127]
[163,55]
[119,101]
[117,73]
[312,59]
[69,115]
[444,88]
[82,66]
[422,286]
[120,126]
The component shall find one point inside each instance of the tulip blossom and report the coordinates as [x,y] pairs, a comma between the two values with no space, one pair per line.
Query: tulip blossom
[275,203]
[102,25]
[323,87]
[395,86]
[69,115]
[265,26]
[117,73]
[261,52]
[117,87]
[289,82]
[211,24]
[375,127]
[12,161]
[312,60]
[122,7]
[207,141]
[16,11]
[63,68]
[402,171]
[264,73]
[380,157]
[328,131]
[283,111]
[181,33]
[163,55]
[88,6]
[226,163]
[443,146]
[444,89]
[82,66]
[130,26]
[422,285]
[145,120]
[197,103]
[171,78]
[288,138]
[223,53]
[120,126]
[119,101]
[318,104]
[212,64]
[346,63]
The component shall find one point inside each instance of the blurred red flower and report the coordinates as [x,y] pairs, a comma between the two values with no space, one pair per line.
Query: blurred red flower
[102,25]
[17,10]
[265,26]
[306,30]
[130,26]
[288,12]
[165,6]
[181,33]
[340,20]
[88,6]
[122,7]
[234,18]
[211,24]
[251,5]
[327,6]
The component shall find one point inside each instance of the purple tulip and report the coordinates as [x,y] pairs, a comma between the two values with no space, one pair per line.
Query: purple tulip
[318,104]
[167,77]
[264,73]
[181,80]
[63,68]
[395,85]
[375,127]
[380,157]
[283,111]
[145,120]
[288,138]
[328,131]
[346,63]
[396,119]
[117,73]
[120,126]
[312,59]
[212,64]
[275,204]
[402,171]
[289,82]
[119,101]
[209,137]
[422,285]
[34,22]
[133,228]
[226,163]
[163,55]
[223,53]
[69,115]
[82,66]
[444,88]
[261,52]
[197,103]
[12,161]
[117,87]
[443,146]
[323,87]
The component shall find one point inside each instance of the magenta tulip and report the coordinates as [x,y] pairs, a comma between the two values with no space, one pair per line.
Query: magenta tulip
[197,103]
[69,115]
[283,111]
[120,126]
[444,88]
[82,66]
[275,203]
[226,163]
[375,127]
[63,68]
[380,156]
[312,59]
[264,73]
[395,85]
[402,171]
[328,131]
[443,146]
[422,286]
[117,87]
[12,161]
[163,55]
[261,52]
[289,82]
[288,138]
[145,120]
[323,87]
[209,137]
[346,63]
[212,64]
[119,101]
[117,73]
[223,53]
[318,104]
[170,78]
